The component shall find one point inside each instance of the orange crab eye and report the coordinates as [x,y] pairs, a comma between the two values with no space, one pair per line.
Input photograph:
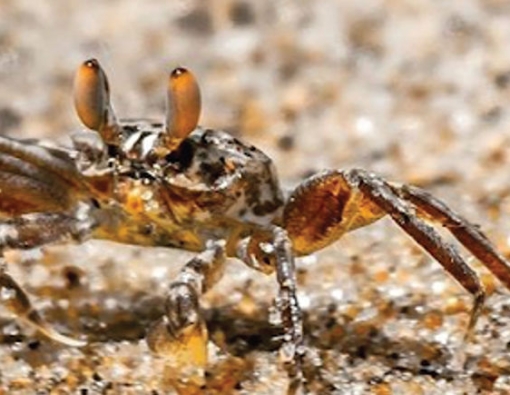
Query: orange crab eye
[183,106]
[91,95]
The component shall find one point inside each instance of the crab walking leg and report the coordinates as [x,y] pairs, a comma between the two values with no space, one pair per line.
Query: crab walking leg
[467,233]
[37,229]
[268,252]
[16,300]
[181,336]
[37,162]
[29,231]
[382,194]
[288,305]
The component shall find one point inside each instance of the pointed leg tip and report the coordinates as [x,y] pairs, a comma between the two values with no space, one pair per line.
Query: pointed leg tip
[35,320]
[70,341]
[62,339]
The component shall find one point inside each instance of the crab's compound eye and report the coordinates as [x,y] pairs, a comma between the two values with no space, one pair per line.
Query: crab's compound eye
[183,106]
[91,95]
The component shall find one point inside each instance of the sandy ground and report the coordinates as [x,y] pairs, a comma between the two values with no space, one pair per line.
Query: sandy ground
[414,90]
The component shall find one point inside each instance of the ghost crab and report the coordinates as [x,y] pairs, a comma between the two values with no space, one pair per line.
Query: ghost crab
[177,185]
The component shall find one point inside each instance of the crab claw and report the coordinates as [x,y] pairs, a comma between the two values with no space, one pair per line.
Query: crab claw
[183,106]
[92,100]
[185,353]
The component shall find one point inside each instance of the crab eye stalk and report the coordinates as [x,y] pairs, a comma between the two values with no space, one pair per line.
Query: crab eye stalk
[183,106]
[92,100]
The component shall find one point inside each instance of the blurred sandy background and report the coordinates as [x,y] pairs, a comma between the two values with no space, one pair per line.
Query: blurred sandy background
[415,90]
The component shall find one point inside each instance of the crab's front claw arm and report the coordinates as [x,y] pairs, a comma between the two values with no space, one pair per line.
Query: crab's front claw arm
[180,337]
[184,352]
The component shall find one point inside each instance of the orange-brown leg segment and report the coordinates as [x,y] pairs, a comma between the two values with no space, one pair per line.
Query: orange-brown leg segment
[322,209]
[403,213]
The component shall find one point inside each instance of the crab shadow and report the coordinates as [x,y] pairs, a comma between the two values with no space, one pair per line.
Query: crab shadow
[127,318]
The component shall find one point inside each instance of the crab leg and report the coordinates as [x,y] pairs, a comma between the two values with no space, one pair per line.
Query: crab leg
[38,162]
[401,211]
[467,233]
[270,251]
[37,229]
[289,307]
[16,300]
[29,231]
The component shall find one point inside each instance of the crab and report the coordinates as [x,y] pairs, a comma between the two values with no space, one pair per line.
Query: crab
[175,184]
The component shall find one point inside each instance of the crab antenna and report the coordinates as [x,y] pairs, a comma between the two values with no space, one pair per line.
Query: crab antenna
[92,100]
[183,106]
